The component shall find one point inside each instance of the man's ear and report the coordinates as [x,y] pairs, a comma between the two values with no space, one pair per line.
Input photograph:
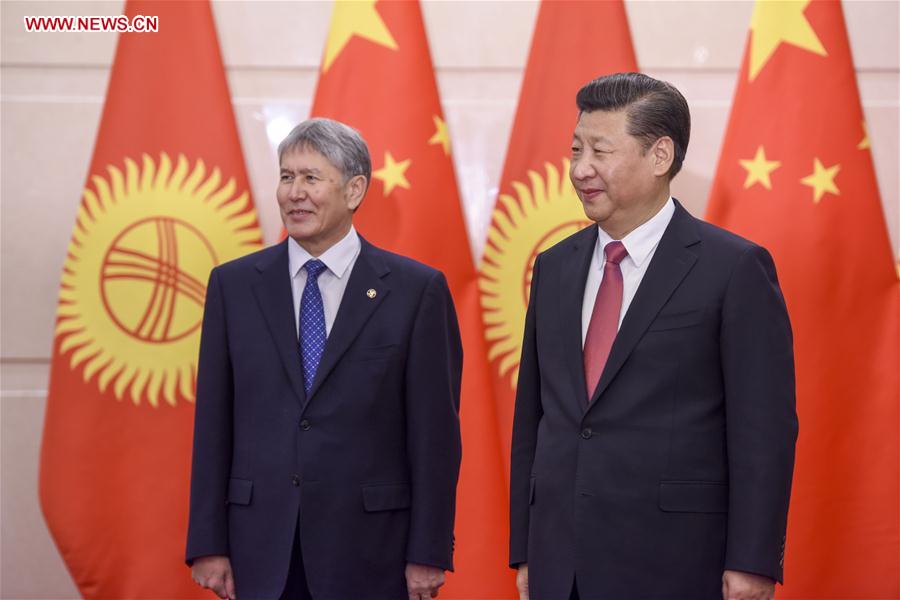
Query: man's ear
[662,153]
[356,190]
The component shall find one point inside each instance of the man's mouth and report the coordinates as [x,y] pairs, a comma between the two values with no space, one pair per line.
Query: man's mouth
[590,193]
[298,213]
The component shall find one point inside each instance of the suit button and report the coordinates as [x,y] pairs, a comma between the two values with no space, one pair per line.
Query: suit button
[586,433]
[295,480]
[304,425]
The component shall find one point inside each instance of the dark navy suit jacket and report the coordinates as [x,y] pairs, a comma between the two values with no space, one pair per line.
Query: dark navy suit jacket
[366,463]
[681,467]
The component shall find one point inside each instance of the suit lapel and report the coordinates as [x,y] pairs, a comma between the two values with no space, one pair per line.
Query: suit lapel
[356,307]
[573,278]
[671,262]
[275,296]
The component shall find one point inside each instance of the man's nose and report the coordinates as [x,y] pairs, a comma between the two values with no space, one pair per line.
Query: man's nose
[298,190]
[581,168]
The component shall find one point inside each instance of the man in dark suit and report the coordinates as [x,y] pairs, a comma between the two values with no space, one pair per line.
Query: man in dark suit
[327,443]
[655,424]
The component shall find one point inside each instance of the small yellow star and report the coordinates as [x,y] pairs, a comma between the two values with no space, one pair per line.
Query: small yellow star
[355,17]
[759,169]
[821,180]
[441,134]
[393,173]
[780,21]
[864,143]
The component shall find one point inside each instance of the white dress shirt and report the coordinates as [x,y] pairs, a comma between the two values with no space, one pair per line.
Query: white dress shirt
[339,260]
[641,245]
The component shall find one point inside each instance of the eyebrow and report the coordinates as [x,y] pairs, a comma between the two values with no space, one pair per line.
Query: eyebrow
[593,138]
[312,171]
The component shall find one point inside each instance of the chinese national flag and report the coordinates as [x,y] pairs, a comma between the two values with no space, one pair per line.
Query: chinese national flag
[796,176]
[166,199]
[377,76]
[537,206]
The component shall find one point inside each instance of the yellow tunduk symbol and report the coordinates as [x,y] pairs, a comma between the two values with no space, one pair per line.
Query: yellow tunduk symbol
[521,228]
[134,281]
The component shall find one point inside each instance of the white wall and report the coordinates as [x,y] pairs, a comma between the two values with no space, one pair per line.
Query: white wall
[52,87]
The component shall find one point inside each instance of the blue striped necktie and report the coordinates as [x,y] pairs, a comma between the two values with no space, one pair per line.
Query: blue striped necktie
[312,323]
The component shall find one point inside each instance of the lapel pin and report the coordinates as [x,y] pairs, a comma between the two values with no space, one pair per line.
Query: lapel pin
[371,293]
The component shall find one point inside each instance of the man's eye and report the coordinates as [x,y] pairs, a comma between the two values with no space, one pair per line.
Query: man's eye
[575,149]
[311,178]
[285,178]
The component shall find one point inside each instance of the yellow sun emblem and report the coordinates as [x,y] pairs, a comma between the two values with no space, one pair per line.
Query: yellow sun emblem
[543,215]
[134,282]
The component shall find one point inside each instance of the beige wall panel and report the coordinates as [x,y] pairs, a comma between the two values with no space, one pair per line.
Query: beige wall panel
[267,103]
[46,149]
[24,377]
[53,84]
[712,35]
[483,35]
[479,108]
[271,86]
[880,92]
[261,126]
[31,567]
[874,30]
[683,35]
[262,33]
[47,48]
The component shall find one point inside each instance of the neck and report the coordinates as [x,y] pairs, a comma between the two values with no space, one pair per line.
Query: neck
[317,248]
[642,214]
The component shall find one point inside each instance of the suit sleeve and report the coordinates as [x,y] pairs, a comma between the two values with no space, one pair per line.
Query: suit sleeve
[761,419]
[527,417]
[208,523]
[433,380]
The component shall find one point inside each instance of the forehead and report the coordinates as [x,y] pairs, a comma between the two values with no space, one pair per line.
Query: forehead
[305,158]
[601,124]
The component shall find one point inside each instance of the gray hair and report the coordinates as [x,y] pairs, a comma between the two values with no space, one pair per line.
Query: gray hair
[342,145]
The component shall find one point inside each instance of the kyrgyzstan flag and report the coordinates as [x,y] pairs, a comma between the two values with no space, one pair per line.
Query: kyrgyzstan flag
[377,76]
[166,200]
[537,206]
[796,176]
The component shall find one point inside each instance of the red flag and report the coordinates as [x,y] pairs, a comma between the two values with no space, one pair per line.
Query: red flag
[166,199]
[537,206]
[377,76]
[796,176]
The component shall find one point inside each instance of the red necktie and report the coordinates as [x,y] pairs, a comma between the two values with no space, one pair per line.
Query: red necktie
[604,317]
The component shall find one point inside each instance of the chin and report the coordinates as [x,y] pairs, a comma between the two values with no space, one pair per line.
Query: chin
[597,214]
[298,233]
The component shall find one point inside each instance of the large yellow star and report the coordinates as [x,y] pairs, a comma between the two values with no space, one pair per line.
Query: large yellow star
[393,173]
[780,21]
[864,144]
[441,134]
[821,180]
[759,169]
[355,17]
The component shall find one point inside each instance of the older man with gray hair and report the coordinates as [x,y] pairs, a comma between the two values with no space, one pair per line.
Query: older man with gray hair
[326,441]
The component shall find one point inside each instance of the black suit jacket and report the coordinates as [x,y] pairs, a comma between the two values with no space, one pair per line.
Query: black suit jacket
[681,466]
[366,463]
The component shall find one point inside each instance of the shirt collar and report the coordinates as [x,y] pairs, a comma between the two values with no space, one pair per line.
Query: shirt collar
[337,258]
[641,242]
